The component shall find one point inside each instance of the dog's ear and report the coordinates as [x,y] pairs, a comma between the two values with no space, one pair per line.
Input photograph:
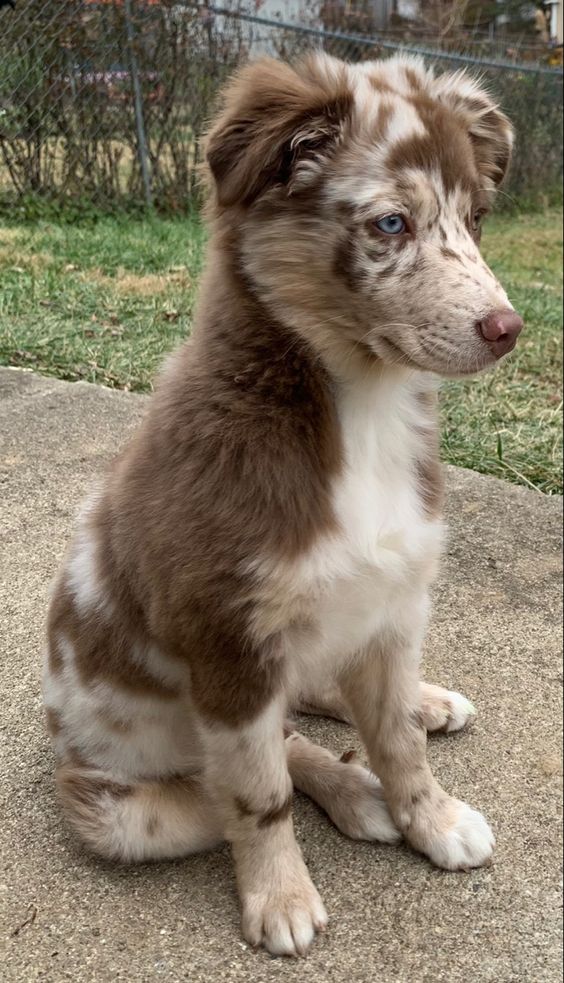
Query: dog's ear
[277,125]
[490,131]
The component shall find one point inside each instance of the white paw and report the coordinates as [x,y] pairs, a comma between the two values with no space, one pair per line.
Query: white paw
[358,808]
[446,710]
[285,922]
[468,843]
[461,712]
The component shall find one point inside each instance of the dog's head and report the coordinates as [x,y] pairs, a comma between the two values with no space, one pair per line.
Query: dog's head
[353,197]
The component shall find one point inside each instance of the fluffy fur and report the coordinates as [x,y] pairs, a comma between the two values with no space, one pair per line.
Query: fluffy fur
[268,538]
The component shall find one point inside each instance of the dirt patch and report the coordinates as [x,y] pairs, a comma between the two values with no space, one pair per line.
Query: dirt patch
[9,235]
[151,283]
[15,259]
[141,285]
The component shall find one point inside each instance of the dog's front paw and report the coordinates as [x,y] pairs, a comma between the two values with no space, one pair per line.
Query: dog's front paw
[454,836]
[446,710]
[284,918]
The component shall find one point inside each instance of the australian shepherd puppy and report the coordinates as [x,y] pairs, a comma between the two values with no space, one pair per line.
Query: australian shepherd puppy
[267,540]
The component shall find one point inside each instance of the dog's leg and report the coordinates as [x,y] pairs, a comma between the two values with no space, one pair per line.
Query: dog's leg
[247,772]
[325,700]
[141,820]
[350,795]
[383,691]
[443,709]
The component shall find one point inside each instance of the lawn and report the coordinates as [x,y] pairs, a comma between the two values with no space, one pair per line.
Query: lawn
[105,301]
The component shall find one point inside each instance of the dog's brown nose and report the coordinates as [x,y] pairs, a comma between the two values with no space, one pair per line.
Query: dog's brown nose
[500,329]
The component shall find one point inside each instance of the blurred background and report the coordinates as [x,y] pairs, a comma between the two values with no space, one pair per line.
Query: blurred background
[106,100]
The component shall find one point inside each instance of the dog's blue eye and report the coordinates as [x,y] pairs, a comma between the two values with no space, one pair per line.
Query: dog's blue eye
[392,225]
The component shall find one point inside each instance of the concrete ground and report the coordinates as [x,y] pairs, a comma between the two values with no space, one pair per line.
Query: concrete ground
[495,635]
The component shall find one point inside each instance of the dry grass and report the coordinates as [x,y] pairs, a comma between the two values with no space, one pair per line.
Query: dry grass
[141,285]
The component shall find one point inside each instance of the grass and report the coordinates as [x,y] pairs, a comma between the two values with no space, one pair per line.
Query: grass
[105,301]
[102,302]
[509,422]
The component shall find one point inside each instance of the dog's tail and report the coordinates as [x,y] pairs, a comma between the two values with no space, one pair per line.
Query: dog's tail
[147,820]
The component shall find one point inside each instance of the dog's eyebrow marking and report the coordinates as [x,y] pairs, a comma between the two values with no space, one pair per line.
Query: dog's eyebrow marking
[442,147]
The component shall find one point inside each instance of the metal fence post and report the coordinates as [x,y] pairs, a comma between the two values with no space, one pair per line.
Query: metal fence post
[142,146]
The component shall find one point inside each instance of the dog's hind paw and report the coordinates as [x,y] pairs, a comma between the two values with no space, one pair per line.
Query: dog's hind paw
[358,808]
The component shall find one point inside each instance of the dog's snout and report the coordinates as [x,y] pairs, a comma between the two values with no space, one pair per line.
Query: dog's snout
[500,330]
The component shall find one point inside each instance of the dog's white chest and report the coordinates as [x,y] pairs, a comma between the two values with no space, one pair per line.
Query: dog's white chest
[364,577]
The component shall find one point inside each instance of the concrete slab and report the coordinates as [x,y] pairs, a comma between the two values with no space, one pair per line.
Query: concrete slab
[495,636]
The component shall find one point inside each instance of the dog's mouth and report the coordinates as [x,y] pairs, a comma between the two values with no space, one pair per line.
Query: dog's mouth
[397,354]
[455,364]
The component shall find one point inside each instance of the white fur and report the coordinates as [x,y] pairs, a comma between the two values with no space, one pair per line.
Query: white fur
[257,769]
[444,709]
[364,814]
[82,575]
[462,712]
[281,908]
[469,843]
[283,911]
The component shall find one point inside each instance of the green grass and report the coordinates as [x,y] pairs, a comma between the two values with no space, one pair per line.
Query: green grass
[102,302]
[105,301]
[509,422]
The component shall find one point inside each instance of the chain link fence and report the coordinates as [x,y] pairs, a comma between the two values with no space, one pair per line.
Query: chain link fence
[104,102]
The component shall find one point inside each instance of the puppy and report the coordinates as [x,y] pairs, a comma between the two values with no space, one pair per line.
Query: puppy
[268,538]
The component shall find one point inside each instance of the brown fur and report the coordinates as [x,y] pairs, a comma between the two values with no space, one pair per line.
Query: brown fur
[271,118]
[53,721]
[429,468]
[171,589]
[444,148]
[102,646]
